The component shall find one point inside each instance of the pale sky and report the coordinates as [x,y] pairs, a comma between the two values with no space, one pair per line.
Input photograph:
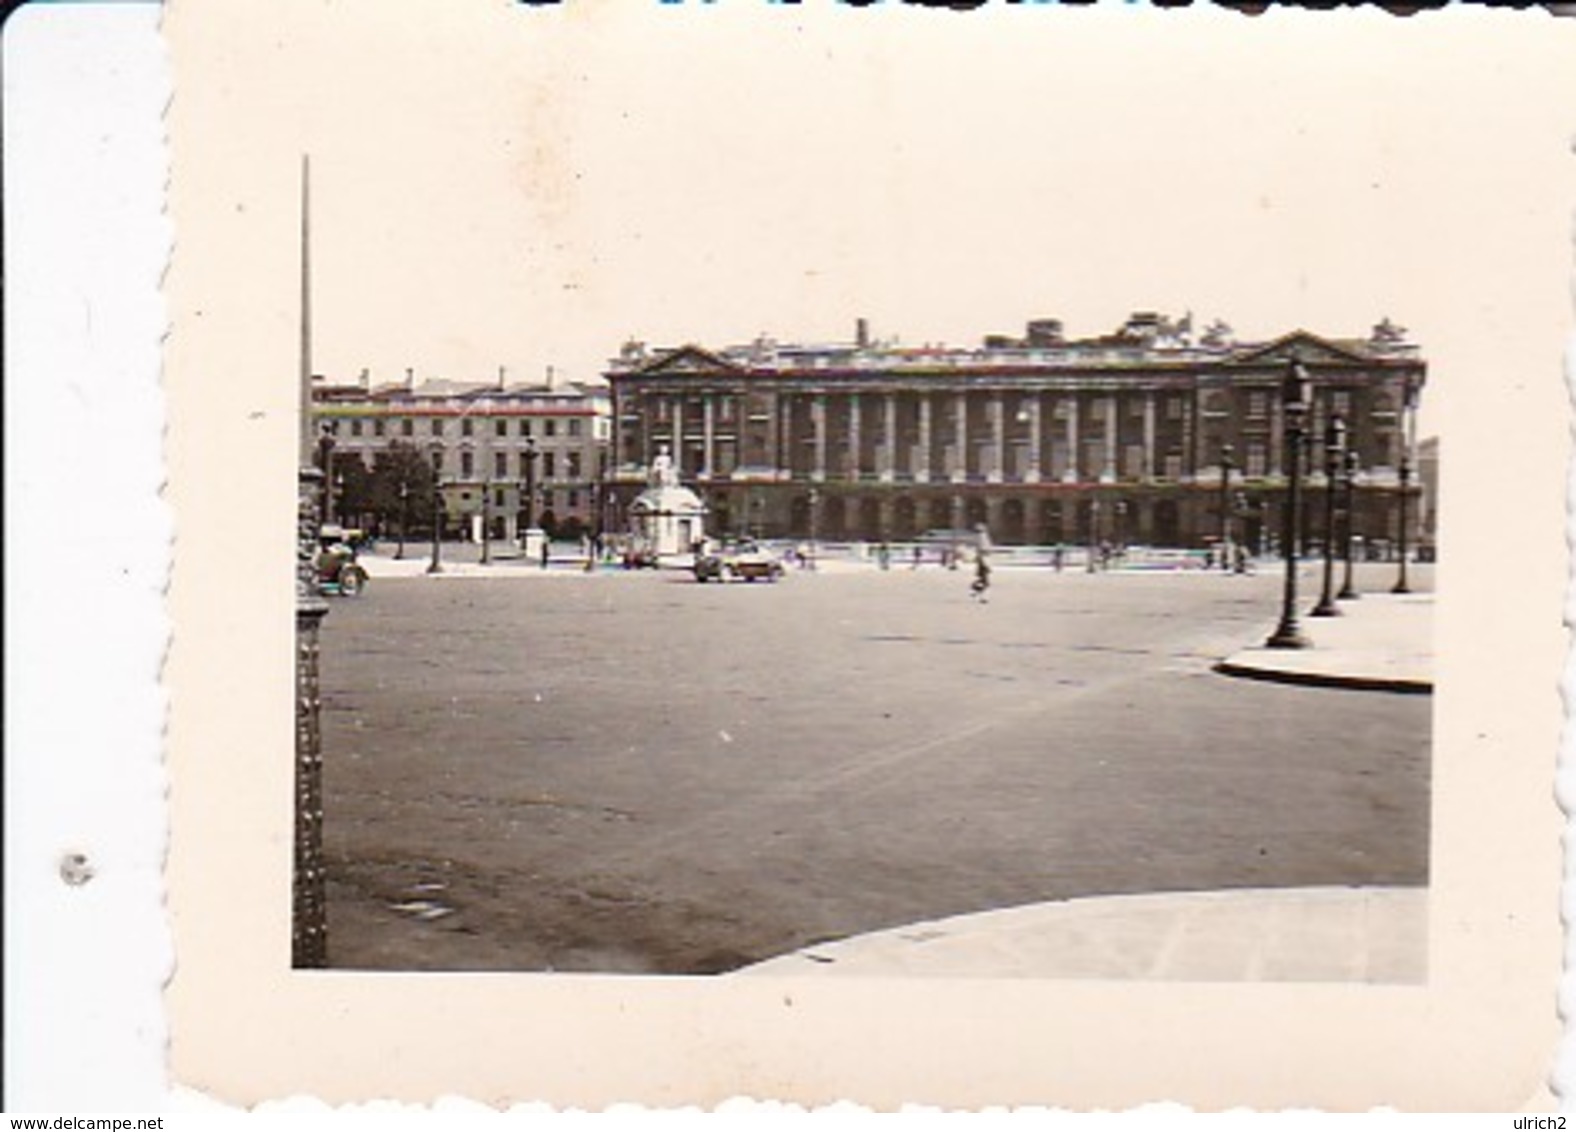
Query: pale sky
[524,187]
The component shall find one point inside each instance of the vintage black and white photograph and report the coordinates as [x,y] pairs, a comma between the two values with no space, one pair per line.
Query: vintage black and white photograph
[832,494]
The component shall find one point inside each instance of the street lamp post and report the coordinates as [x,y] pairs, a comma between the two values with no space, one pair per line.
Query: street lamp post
[815,525]
[436,567]
[529,501]
[1401,585]
[1349,489]
[1334,465]
[325,463]
[486,519]
[404,516]
[1294,397]
[1408,406]
[1094,536]
[1226,465]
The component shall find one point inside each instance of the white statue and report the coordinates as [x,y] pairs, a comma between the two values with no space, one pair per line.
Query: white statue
[663,473]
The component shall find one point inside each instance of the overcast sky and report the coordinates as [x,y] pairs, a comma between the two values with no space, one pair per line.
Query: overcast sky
[501,185]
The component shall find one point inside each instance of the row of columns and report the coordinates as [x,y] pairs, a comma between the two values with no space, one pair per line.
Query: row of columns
[1096,463]
[1034,470]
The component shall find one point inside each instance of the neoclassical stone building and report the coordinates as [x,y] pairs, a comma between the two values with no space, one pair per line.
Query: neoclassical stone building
[1127,437]
[480,437]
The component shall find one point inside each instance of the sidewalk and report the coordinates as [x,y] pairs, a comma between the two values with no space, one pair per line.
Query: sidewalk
[1363,935]
[1381,642]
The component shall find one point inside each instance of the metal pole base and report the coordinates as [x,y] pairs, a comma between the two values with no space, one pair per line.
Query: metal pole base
[1325,608]
[1288,636]
[1347,594]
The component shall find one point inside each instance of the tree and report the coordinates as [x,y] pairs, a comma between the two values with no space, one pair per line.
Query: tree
[352,487]
[402,464]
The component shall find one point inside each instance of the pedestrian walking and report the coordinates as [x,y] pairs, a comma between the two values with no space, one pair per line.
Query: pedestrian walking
[979,588]
[546,549]
[918,557]
[884,556]
[1057,557]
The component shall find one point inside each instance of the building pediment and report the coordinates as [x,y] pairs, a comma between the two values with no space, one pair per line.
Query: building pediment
[686,360]
[1300,345]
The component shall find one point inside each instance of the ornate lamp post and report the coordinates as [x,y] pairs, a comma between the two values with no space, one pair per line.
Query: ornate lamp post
[528,500]
[1409,402]
[815,525]
[1226,465]
[1334,464]
[1348,490]
[404,515]
[1094,536]
[486,519]
[325,464]
[309,916]
[1294,397]
[436,567]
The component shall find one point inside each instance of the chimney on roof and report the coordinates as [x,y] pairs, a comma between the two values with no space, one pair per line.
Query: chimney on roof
[366,378]
[410,377]
[862,334]
[500,376]
[549,377]
[1045,332]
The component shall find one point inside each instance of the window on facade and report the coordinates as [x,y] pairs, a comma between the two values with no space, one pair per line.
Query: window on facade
[1133,462]
[572,499]
[437,426]
[1258,404]
[465,426]
[550,428]
[574,465]
[1257,463]
[498,498]
[1341,402]
[1173,466]
[525,428]
[467,464]
[437,461]
[1175,406]
[355,428]
[525,465]
[407,427]
[500,464]
[500,428]
[549,465]
[574,426]
[377,427]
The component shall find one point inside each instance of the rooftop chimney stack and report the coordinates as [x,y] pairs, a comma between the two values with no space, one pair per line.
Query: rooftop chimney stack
[862,334]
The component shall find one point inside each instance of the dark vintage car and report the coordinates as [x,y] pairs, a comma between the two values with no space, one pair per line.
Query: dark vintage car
[747,560]
[338,572]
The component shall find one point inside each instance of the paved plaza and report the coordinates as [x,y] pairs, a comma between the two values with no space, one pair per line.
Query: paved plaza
[631,772]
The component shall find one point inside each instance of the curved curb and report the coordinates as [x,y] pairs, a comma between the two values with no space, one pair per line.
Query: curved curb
[1399,685]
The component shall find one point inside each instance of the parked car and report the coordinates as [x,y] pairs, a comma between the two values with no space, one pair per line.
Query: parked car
[745,559]
[338,572]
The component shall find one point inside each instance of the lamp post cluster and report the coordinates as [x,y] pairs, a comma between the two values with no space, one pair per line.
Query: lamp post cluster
[1341,469]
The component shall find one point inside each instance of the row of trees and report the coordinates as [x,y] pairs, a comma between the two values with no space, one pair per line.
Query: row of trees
[372,495]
